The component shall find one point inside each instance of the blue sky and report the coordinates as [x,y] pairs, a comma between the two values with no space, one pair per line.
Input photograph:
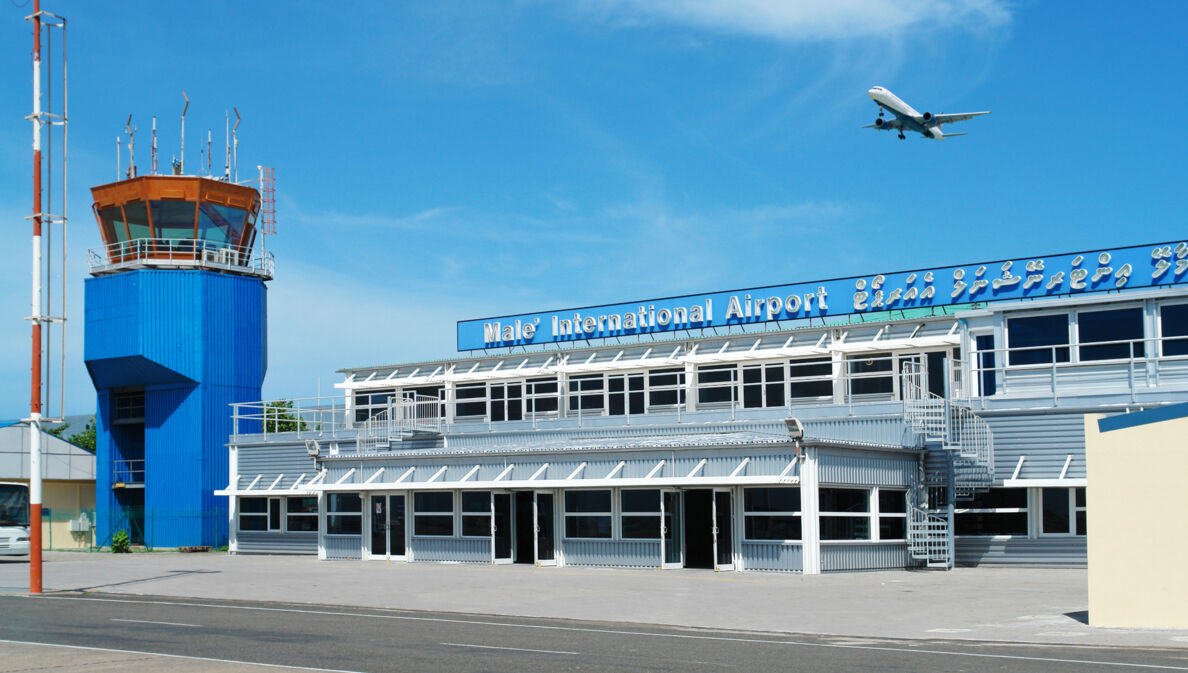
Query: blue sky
[439,161]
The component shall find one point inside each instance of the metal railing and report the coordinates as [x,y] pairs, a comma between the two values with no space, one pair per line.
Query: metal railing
[308,418]
[1129,366]
[928,537]
[404,417]
[127,471]
[179,253]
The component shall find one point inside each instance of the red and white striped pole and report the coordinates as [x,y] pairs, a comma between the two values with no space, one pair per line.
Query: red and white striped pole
[35,386]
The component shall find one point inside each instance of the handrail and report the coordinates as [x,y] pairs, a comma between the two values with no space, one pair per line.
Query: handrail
[180,252]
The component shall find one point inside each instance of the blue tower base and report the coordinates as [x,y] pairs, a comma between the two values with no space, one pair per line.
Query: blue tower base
[168,351]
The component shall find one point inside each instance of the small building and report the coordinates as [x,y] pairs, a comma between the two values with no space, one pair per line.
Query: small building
[67,487]
[1137,546]
[917,418]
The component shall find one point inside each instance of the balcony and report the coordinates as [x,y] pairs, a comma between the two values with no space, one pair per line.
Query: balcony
[182,253]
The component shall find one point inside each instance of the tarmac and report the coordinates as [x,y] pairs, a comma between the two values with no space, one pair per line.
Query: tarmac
[1028,605]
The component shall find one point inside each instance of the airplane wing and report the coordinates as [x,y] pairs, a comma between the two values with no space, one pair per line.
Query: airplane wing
[960,117]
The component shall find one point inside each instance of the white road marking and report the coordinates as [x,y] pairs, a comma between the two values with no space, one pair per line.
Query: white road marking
[145,621]
[545,627]
[513,649]
[182,656]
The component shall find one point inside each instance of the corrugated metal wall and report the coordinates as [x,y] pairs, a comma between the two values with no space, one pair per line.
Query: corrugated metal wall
[772,556]
[869,469]
[1046,439]
[451,549]
[864,556]
[195,341]
[277,543]
[343,547]
[1061,551]
[619,553]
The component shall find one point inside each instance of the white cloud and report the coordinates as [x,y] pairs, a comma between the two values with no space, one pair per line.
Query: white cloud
[800,20]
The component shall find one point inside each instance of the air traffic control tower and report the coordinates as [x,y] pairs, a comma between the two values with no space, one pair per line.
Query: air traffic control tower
[176,331]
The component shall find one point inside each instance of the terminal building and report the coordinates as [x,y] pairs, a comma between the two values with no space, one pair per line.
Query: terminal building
[920,418]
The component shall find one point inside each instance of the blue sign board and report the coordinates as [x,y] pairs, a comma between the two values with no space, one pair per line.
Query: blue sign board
[1135,267]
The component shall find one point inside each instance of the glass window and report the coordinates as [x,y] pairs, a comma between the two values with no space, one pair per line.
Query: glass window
[434,513]
[344,514]
[274,514]
[1080,511]
[715,384]
[640,514]
[507,402]
[1124,324]
[253,514]
[771,513]
[999,511]
[471,401]
[763,385]
[137,214]
[625,394]
[871,375]
[836,504]
[588,514]
[1054,506]
[541,397]
[810,379]
[370,402]
[111,219]
[666,387]
[173,219]
[302,514]
[1173,327]
[986,360]
[892,514]
[221,225]
[585,393]
[1037,335]
[476,513]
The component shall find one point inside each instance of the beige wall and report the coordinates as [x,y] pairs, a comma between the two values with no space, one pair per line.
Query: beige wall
[65,499]
[1138,534]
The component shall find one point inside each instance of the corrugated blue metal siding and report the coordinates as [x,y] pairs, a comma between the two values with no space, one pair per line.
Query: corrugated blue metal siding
[343,547]
[451,549]
[868,469]
[196,342]
[1060,551]
[773,556]
[620,553]
[864,556]
[1046,439]
[277,543]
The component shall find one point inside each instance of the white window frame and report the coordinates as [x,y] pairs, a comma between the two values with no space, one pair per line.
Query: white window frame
[308,515]
[532,397]
[486,512]
[332,513]
[1025,510]
[1159,329]
[581,380]
[266,515]
[877,514]
[871,522]
[627,392]
[1072,512]
[611,513]
[1070,339]
[680,388]
[455,504]
[483,399]
[503,401]
[764,367]
[658,515]
[1078,345]
[790,367]
[731,385]
[796,514]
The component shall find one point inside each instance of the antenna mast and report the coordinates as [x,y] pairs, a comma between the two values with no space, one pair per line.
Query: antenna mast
[131,131]
[179,168]
[208,173]
[235,145]
[153,163]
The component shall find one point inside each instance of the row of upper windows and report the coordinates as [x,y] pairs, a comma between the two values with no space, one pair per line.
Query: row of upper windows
[1091,335]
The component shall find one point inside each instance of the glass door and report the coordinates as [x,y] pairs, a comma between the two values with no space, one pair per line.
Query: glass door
[671,545]
[723,531]
[379,527]
[396,530]
[501,527]
[544,529]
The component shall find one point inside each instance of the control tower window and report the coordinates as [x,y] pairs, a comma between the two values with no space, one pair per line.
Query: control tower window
[138,225]
[173,219]
[112,220]
[220,224]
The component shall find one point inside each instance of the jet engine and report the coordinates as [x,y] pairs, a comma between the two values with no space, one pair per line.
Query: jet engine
[880,123]
[927,116]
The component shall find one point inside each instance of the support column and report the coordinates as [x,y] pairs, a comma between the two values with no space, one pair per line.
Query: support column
[810,530]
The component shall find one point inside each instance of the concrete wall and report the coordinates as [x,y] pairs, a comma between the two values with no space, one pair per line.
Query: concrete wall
[1137,541]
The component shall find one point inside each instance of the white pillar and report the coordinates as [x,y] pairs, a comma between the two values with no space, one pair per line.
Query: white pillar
[810,531]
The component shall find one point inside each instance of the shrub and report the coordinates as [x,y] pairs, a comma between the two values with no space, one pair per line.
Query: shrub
[121,543]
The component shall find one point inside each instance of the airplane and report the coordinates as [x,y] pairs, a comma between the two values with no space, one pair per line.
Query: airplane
[907,119]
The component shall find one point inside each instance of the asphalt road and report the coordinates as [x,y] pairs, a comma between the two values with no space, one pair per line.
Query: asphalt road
[314,637]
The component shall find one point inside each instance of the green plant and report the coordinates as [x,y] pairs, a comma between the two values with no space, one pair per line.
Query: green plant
[279,417]
[86,438]
[121,543]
